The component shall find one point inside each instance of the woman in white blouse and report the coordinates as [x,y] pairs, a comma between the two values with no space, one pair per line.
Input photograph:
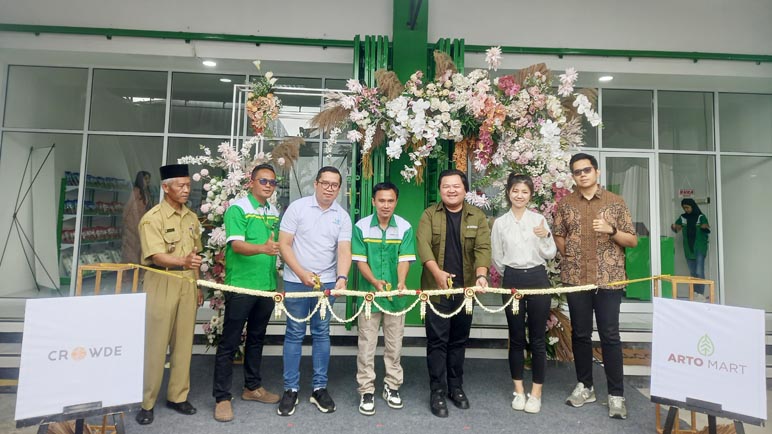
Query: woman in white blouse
[521,245]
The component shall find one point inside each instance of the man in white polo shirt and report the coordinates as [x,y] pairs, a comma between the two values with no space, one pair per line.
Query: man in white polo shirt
[315,243]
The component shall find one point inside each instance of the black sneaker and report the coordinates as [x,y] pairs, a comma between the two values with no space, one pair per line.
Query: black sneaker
[287,404]
[392,397]
[323,400]
[458,397]
[438,404]
[367,404]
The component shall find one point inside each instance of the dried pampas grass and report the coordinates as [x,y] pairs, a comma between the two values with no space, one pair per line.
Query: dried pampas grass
[461,152]
[330,118]
[388,84]
[442,64]
[289,150]
[524,73]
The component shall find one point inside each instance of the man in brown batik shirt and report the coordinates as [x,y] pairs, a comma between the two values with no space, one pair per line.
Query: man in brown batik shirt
[592,228]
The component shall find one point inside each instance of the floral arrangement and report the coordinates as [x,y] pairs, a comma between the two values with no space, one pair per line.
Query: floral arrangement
[262,105]
[219,192]
[523,123]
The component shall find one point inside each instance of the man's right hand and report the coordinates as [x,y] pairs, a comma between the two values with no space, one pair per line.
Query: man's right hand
[441,278]
[307,278]
[271,247]
[192,261]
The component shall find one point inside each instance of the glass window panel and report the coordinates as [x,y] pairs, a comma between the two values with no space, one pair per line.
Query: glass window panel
[745,184]
[629,178]
[685,120]
[45,97]
[745,122]
[128,100]
[335,83]
[202,103]
[122,183]
[46,211]
[627,119]
[682,176]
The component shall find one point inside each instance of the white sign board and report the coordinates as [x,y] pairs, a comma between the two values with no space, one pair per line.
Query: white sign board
[709,352]
[80,350]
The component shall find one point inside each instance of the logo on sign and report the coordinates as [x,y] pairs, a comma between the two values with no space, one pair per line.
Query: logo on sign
[706,348]
[81,353]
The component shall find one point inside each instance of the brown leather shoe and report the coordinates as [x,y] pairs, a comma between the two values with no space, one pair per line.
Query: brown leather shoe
[260,395]
[223,411]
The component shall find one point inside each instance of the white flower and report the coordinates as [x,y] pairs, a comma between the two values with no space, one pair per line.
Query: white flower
[493,57]
[478,200]
[280,161]
[552,340]
[204,268]
[217,237]
[394,150]
[257,64]
[550,132]
[354,85]
[354,136]
[196,177]
[204,172]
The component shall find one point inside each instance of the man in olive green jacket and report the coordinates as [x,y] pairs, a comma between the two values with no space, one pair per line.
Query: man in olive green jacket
[454,244]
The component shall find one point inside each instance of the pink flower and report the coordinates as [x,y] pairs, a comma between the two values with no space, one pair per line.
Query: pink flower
[204,172]
[493,57]
[205,207]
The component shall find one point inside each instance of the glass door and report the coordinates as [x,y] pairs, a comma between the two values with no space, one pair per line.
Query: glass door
[631,175]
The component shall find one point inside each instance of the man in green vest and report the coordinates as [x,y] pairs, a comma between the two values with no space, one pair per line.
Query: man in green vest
[251,229]
[383,246]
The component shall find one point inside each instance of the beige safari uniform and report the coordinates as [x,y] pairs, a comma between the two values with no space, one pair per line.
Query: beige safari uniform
[171,303]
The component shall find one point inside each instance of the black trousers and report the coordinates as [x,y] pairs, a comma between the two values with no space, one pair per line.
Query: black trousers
[537,307]
[446,343]
[239,309]
[605,303]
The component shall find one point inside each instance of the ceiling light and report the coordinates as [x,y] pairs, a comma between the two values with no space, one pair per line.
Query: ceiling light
[226,80]
[209,63]
[605,78]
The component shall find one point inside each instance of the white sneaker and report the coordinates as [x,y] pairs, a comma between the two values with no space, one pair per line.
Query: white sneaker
[699,297]
[616,407]
[518,402]
[533,405]
[580,396]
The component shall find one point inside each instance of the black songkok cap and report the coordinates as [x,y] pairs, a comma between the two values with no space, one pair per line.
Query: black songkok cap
[174,171]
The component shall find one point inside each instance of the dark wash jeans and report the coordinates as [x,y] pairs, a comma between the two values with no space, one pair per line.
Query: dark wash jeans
[538,309]
[605,303]
[239,309]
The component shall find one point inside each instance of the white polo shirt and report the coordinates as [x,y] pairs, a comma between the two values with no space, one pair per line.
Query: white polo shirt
[316,234]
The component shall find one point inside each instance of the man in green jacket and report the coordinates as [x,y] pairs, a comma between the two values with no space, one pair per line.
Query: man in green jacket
[454,244]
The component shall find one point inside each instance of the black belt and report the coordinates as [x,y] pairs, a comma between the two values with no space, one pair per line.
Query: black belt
[527,270]
[156,267]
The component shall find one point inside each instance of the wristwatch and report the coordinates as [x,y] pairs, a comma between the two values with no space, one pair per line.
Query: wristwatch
[613,231]
[341,277]
[481,275]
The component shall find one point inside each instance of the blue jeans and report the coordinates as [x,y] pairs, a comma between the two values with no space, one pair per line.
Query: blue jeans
[697,269]
[296,331]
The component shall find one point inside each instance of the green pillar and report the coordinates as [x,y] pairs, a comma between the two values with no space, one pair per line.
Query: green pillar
[409,55]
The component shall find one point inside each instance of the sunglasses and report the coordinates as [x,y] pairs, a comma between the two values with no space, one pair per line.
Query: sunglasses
[265,181]
[587,170]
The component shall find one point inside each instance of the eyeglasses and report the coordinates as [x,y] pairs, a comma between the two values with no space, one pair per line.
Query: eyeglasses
[587,170]
[329,185]
[265,181]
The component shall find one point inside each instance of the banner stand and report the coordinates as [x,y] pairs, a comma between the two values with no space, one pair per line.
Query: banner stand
[79,413]
[712,410]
